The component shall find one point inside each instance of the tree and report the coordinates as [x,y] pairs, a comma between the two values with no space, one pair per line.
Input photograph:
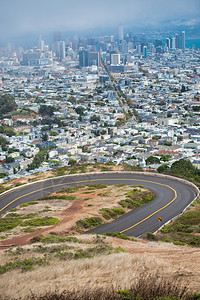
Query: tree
[165,157]
[80,110]
[3,142]
[72,162]
[163,168]
[7,130]
[152,160]
[183,88]
[94,118]
[169,115]
[168,143]
[7,104]
[38,159]
[184,168]
[45,137]
[9,159]
[46,110]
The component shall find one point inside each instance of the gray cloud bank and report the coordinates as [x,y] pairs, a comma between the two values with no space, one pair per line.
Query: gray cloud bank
[26,16]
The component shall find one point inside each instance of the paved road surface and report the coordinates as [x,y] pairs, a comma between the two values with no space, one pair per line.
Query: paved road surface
[172,197]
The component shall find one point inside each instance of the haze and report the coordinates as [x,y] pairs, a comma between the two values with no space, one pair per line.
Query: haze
[25,16]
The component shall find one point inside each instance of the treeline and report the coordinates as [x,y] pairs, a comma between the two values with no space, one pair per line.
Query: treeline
[7,104]
[183,168]
[7,130]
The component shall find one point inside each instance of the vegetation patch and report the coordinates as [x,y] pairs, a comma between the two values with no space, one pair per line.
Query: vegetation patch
[71,189]
[46,221]
[184,230]
[54,239]
[10,221]
[88,223]
[120,236]
[24,265]
[111,213]
[58,197]
[136,198]
[97,186]
[28,203]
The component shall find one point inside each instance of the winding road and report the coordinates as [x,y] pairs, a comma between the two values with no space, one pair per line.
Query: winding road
[172,196]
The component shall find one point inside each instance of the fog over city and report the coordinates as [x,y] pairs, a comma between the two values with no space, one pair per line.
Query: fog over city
[23,17]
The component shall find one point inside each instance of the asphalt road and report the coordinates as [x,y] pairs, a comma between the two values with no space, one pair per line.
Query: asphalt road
[171,198]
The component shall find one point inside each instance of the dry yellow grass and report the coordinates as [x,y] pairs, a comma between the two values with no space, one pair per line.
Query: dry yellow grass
[117,270]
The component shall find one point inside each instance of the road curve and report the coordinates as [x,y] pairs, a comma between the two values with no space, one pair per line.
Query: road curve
[172,196]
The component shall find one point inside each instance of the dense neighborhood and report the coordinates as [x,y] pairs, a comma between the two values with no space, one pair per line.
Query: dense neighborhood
[58,112]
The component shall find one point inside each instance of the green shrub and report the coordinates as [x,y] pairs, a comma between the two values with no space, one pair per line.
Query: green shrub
[28,203]
[151,236]
[65,255]
[10,221]
[97,186]
[89,222]
[58,197]
[51,239]
[46,221]
[24,265]
[71,189]
[113,213]
[120,236]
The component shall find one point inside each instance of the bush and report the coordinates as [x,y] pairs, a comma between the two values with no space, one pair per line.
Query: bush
[10,221]
[113,213]
[51,239]
[120,236]
[46,221]
[97,186]
[28,203]
[151,236]
[89,222]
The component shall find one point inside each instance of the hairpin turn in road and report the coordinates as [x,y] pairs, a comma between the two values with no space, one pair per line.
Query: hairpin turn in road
[171,198]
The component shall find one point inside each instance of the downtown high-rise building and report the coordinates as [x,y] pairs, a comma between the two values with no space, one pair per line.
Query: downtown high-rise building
[93,58]
[120,32]
[183,40]
[177,41]
[173,43]
[115,59]
[62,49]
[83,58]
[168,43]
[145,51]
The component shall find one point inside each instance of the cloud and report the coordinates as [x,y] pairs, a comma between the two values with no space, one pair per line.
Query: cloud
[28,16]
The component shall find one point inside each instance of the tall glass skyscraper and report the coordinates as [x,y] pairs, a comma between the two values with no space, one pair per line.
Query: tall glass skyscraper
[120,32]
[183,40]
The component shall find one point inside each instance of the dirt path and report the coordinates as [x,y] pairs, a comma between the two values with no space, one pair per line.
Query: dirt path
[66,219]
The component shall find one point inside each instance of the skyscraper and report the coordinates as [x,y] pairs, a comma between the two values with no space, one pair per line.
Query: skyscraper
[83,58]
[41,43]
[115,59]
[183,40]
[120,33]
[177,41]
[173,43]
[75,43]
[62,49]
[168,43]
[93,58]
[145,51]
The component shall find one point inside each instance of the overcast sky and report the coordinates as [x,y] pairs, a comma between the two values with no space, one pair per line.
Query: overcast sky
[27,16]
